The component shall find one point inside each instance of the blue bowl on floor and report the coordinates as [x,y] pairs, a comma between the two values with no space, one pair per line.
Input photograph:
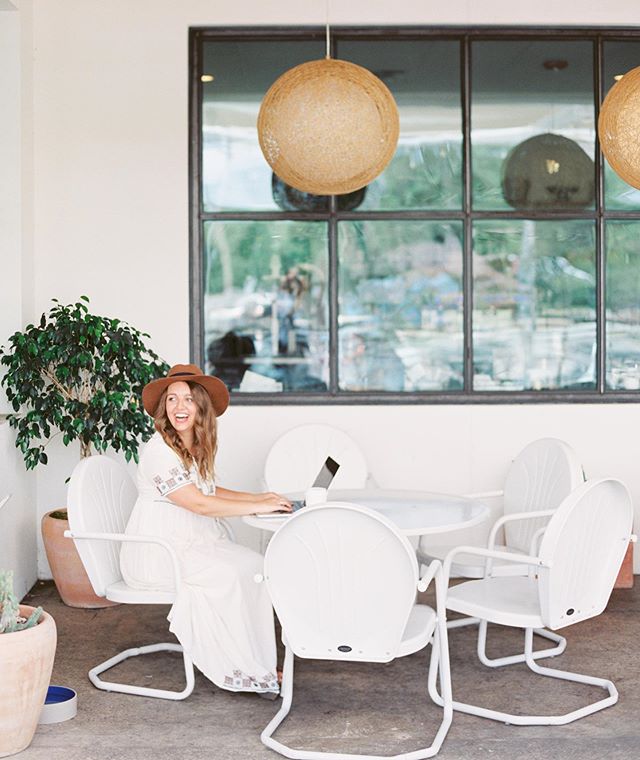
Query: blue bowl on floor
[61,703]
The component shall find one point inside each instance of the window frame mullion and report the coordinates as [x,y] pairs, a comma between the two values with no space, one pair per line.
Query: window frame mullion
[467,235]
[601,317]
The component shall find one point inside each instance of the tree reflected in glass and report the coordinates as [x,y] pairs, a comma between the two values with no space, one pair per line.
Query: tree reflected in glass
[400,296]
[265,305]
[534,305]
[623,305]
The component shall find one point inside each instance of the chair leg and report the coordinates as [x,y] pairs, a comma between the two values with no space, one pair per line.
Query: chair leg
[539,720]
[439,661]
[462,622]
[566,675]
[287,696]
[439,666]
[497,662]
[144,691]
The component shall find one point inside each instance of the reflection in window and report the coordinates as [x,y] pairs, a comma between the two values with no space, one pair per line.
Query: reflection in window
[534,305]
[548,173]
[619,57]
[235,175]
[426,170]
[529,89]
[623,305]
[487,244]
[400,295]
[265,305]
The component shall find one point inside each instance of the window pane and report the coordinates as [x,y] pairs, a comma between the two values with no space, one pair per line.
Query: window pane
[623,305]
[400,306]
[619,57]
[534,305]
[265,305]
[235,175]
[532,89]
[424,77]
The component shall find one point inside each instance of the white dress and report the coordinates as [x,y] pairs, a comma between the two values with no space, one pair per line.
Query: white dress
[221,616]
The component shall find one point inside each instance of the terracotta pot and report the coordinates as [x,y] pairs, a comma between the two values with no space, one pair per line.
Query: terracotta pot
[68,572]
[26,660]
[625,576]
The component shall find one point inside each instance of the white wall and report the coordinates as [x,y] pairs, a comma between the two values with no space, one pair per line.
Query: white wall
[453,449]
[18,516]
[110,220]
[10,173]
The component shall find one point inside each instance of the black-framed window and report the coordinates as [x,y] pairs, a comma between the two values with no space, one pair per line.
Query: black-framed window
[496,259]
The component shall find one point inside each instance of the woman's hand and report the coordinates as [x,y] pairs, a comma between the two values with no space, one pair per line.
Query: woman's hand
[271,502]
[269,494]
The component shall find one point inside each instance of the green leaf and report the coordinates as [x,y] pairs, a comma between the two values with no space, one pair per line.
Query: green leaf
[71,355]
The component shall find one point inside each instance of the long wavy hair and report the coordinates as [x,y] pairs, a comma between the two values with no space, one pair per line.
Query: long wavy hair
[205,432]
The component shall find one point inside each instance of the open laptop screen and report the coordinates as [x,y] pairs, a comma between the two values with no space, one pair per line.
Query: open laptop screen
[323,480]
[326,474]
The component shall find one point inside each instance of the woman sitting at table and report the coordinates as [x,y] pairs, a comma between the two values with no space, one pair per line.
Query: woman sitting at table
[222,618]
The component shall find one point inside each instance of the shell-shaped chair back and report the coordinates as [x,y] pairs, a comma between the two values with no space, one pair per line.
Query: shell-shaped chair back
[342,580]
[542,475]
[585,543]
[100,499]
[297,456]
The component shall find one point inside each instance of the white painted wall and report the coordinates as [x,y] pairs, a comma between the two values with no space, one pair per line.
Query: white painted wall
[10,122]
[110,220]
[453,449]
[18,516]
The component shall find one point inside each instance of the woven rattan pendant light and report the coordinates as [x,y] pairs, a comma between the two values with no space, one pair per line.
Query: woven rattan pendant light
[619,127]
[548,172]
[328,126]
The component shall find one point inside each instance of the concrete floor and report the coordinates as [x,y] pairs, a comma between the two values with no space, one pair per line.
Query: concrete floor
[352,708]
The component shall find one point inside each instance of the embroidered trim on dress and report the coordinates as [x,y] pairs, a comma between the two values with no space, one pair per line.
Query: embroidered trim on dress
[178,477]
[245,682]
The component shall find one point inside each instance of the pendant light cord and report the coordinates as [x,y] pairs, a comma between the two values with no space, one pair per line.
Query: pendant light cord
[328,52]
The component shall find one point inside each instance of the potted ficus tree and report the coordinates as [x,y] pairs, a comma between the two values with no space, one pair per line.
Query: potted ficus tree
[79,376]
[27,649]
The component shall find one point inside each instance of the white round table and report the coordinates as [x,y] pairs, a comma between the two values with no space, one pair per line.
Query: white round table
[416,513]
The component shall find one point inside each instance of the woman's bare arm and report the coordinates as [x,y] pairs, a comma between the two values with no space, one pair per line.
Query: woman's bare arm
[191,498]
[227,493]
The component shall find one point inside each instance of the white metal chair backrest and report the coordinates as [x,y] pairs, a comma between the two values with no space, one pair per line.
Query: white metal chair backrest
[585,543]
[342,580]
[296,457]
[100,499]
[542,475]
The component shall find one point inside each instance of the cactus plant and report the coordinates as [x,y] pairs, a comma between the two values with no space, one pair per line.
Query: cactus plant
[10,619]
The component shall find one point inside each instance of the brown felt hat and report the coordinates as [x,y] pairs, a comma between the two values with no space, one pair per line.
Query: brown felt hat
[189,373]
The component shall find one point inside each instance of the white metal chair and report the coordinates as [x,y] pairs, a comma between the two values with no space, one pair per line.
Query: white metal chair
[343,583]
[539,478]
[100,499]
[296,457]
[570,580]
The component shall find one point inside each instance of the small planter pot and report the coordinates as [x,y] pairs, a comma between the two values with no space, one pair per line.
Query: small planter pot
[68,572]
[625,576]
[61,703]
[26,661]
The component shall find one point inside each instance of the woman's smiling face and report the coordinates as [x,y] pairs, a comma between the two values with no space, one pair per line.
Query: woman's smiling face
[181,407]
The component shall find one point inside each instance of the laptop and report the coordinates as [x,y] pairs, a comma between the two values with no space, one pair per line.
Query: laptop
[323,480]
